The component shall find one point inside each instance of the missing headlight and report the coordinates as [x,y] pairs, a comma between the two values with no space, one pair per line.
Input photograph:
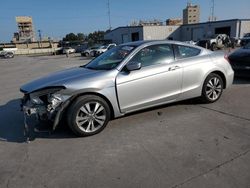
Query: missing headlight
[36,100]
[54,101]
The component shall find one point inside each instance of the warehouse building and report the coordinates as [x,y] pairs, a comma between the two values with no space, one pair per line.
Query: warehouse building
[135,33]
[235,28]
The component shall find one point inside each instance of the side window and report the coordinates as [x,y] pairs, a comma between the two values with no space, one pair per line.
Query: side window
[186,51]
[155,54]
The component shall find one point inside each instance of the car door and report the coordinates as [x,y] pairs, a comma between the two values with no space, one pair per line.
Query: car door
[194,68]
[158,81]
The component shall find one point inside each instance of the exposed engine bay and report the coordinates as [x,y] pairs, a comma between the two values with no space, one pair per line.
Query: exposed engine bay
[45,105]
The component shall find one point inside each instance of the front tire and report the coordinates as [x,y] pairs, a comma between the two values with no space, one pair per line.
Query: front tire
[212,88]
[88,115]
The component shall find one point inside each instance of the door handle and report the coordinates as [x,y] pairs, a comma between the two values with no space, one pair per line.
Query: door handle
[173,68]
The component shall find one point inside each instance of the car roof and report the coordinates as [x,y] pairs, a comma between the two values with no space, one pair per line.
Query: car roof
[155,42]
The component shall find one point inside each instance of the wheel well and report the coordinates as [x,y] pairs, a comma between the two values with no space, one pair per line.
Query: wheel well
[96,94]
[222,77]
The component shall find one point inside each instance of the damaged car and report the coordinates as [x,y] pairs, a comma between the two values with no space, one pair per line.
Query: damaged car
[127,78]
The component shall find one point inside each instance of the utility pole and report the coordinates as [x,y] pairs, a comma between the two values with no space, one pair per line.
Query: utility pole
[40,37]
[40,34]
[212,18]
[109,16]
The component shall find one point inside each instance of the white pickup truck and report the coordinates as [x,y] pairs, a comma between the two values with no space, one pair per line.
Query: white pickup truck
[103,49]
[7,52]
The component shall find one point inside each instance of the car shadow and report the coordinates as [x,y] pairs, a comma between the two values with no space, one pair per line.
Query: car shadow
[12,127]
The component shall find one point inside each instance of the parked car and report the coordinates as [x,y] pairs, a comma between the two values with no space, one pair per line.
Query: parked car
[103,49]
[191,42]
[81,47]
[218,41]
[245,40]
[6,54]
[125,79]
[88,51]
[236,41]
[68,50]
[240,61]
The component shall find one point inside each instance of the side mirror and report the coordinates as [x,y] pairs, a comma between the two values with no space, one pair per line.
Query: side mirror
[133,66]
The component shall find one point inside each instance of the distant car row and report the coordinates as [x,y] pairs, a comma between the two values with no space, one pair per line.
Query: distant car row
[216,42]
[68,50]
[96,51]
[89,52]
[220,41]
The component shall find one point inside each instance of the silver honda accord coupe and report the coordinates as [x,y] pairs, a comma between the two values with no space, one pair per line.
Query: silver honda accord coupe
[127,78]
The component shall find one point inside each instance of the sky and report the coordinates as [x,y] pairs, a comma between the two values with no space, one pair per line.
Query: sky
[56,18]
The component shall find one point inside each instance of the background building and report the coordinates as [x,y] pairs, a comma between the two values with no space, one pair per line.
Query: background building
[136,33]
[191,14]
[25,29]
[174,21]
[235,28]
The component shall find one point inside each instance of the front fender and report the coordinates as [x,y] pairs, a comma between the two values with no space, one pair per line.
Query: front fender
[107,94]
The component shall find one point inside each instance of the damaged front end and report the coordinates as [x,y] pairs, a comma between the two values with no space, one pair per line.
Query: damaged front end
[45,104]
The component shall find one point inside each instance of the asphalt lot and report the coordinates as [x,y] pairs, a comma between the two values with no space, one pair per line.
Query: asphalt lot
[180,145]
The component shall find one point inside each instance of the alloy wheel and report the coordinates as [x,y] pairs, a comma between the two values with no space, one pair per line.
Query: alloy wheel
[91,117]
[213,88]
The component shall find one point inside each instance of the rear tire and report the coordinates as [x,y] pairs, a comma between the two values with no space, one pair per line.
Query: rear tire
[212,88]
[88,115]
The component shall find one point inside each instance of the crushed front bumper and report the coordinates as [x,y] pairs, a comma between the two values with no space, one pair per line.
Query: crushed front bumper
[41,113]
[31,113]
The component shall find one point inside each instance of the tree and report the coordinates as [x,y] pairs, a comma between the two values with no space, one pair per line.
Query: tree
[92,38]
[81,37]
[74,37]
[95,37]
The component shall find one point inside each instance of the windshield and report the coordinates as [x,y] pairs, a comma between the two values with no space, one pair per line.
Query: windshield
[111,59]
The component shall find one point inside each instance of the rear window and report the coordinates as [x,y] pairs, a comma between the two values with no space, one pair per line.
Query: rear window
[186,51]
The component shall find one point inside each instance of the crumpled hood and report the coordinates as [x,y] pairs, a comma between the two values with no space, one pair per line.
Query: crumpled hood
[58,79]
